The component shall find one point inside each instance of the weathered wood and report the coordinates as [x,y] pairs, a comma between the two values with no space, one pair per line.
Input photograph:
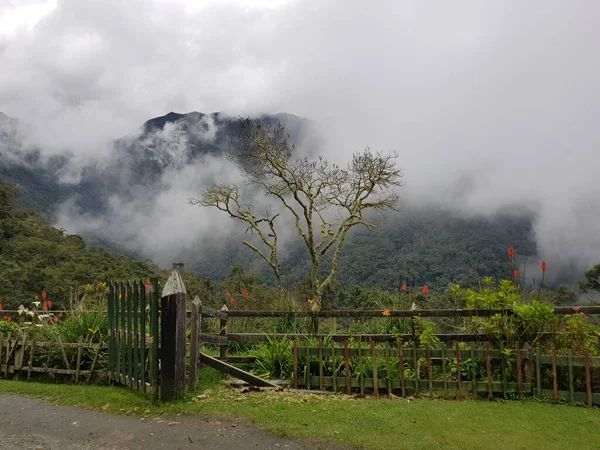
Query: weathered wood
[211,312]
[194,341]
[375,380]
[361,368]
[571,380]
[458,380]
[488,363]
[333,366]
[363,314]
[223,334]
[588,379]
[401,367]
[93,366]
[235,372]
[519,374]
[321,374]
[295,346]
[173,339]
[388,369]
[135,302]
[307,367]
[63,352]
[31,354]
[444,377]
[78,366]
[347,368]
[144,292]
[415,365]
[429,372]
[154,336]
[473,372]
[554,377]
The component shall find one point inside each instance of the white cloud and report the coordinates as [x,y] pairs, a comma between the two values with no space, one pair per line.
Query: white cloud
[489,103]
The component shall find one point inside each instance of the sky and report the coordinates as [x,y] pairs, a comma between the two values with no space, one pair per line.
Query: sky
[488,104]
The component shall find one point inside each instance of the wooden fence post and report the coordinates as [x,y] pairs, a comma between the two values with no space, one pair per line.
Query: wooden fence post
[195,321]
[223,332]
[172,334]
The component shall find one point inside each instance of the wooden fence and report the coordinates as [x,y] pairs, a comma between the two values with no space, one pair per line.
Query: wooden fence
[399,370]
[224,339]
[22,357]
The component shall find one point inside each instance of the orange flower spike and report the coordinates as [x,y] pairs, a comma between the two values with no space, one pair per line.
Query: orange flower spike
[245,293]
[45,306]
[386,313]
[232,300]
[49,303]
[544,266]
[515,274]
[227,294]
[404,287]
[1,308]
[44,294]
[425,289]
[511,253]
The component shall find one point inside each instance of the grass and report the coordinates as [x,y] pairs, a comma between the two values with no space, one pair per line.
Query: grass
[369,423]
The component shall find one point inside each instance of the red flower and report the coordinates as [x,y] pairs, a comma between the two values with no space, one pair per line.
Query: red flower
[232,300]
[1,308]
[147,283]
[8,318]
[44,294]
[425,289]
[49,303]
[544,266]
[511,253]
[45,306]
[515,274]
[227,294]
[404,287]
[245,293]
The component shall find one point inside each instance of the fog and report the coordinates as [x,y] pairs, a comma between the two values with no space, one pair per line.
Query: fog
[489,104]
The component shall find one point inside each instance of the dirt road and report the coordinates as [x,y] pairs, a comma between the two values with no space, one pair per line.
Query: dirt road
[27,423]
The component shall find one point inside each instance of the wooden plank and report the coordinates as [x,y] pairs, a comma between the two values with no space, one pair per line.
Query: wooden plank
[154,338]
[415,366]
[135,303]
[588,379]
[123,333]
[295,350]
[473,372]
[129,325]
[223,333]
[444,378]
[519,367]
[31,353]
[364,314]
[333,366]
[538,373]
[361,368]
[194,341]
[93,366]
[374,361]
[429,372]
[307,369]
[20,356]
[144,292]
[388,369]
[78,366]
[111,330]
[401,367]
[234,371]
[488,363]
[63,352]
[213,339]
[347,368]
[321,374]
[458,375]
[554,376]
[571,379]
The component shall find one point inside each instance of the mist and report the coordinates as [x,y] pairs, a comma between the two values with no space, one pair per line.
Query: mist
[491,105]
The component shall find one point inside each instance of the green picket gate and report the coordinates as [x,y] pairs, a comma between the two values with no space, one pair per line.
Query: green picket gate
[133,336]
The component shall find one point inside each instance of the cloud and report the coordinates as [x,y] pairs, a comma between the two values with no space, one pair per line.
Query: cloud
[490,104]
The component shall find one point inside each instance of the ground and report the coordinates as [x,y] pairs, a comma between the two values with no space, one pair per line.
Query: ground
[114,417]
[27,423]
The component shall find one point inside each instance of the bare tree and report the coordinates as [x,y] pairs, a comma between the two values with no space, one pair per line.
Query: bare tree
[325,201]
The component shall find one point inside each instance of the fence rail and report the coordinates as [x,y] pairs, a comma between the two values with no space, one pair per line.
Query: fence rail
[21,356]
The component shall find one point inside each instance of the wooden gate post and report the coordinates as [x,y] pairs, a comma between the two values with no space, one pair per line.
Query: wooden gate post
[172,336]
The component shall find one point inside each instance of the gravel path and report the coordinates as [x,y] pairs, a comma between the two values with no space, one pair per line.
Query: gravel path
[27,423]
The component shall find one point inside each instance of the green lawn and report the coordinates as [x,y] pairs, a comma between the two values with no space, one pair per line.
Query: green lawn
[370,423]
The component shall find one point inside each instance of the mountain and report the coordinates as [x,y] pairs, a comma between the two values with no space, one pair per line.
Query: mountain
[418,246]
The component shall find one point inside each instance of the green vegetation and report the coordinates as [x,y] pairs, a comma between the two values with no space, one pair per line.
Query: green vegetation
[35,256]
[368,423]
